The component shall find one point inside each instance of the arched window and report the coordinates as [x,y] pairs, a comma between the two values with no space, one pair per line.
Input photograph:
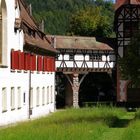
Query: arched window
[3,33]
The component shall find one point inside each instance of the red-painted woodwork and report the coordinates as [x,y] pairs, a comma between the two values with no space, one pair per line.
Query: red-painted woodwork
[21,61]
[39,63]
[33,62]
[45,63]
[49,67]
[27,61]
[14,59]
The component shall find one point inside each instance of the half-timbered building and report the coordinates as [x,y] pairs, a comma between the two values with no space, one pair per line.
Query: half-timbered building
[127,21]
[79,56]
[27,65]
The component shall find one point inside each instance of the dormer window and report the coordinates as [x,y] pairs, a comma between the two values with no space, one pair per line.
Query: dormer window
[17,23]
[15,4]
[31,32]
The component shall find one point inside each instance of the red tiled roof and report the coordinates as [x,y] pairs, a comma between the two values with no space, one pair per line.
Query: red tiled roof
[119,3]
[36,41]
[85,43]
[134,1]
[25,16]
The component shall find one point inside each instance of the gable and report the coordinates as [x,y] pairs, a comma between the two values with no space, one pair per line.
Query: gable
[119,3]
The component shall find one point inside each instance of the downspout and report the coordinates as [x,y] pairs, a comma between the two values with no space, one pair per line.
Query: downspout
[29,97]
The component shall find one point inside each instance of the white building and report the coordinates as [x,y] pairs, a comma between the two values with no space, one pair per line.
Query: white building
[27,66]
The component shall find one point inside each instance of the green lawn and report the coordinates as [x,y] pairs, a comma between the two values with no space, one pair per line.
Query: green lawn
[101,123]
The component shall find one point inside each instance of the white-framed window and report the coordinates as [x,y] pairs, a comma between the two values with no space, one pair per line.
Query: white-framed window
[12,98]
[4,99]
[51,94]
[19,97]
[37,96]
[31,98]
[43,96]
[48,94]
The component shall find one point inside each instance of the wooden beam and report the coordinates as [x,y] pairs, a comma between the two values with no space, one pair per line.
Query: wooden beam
[82,79]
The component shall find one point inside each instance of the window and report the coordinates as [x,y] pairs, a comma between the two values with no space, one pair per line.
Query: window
[51,94]
[130,28]
[4,100]
[48,95]
[19,97]
[71,57]
[24,97]
[95,57]
[37,96]
[31,98]
[43,96]
[12,98]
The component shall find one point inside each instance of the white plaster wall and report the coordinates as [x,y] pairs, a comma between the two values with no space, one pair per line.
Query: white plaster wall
[17,79]
[79,61]
[43,80]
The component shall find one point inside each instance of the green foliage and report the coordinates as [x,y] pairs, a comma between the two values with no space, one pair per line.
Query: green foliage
[90,22]
[137,116]
[130,63]
[57,14]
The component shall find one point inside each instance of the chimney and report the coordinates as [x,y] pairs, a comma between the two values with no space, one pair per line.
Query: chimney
[53,41]
[30,9]
[41,26]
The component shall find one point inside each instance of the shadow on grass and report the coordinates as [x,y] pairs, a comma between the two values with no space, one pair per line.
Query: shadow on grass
[120,123]
[112,121]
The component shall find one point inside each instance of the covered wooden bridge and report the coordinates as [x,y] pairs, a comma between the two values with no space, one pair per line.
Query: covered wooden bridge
[80,56]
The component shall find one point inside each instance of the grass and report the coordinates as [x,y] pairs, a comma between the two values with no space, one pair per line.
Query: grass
[100,123]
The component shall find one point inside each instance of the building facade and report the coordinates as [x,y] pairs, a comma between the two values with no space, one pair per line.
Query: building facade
[127,21]
[27,65]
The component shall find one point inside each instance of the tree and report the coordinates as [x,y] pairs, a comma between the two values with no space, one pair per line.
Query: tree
[90,22]
[57,13]
[130,63]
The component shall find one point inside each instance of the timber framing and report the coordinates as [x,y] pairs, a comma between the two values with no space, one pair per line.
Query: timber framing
[83,70]
[63,67]
[127,23]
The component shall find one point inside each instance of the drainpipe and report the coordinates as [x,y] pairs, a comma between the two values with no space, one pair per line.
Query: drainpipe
[29,97]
